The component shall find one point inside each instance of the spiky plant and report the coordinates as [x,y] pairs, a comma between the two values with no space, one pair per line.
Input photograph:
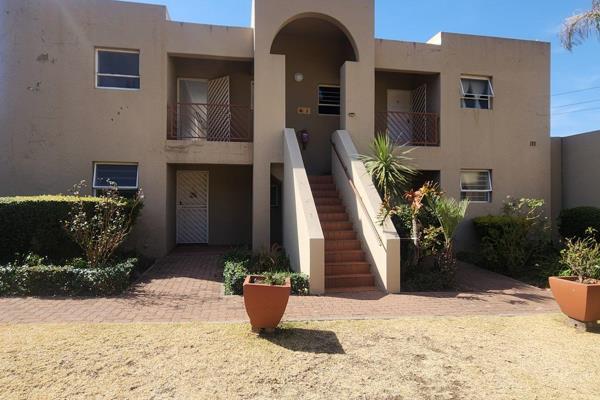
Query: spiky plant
[390,170]
[449,213]
[579,27]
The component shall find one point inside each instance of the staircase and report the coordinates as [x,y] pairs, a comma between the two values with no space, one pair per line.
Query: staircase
[346,268]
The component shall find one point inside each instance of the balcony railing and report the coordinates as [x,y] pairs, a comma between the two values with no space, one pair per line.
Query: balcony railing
[212,122]
[409,128]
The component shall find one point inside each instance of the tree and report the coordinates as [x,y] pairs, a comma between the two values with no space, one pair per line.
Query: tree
[579,27]
[390,172]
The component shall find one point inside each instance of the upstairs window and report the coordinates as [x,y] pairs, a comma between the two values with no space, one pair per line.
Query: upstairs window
[476,92]
[117,69]
[476,185]
[329,100]
[125,176]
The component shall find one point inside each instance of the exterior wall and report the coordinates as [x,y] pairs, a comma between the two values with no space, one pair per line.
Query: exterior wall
[269,17]
[497,139]
[580,166]
[58,123]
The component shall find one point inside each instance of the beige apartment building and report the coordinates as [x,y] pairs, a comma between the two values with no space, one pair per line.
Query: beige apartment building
[249,135]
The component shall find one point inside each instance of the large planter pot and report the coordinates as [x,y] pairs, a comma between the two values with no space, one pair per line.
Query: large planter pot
[579,301]
[265,304]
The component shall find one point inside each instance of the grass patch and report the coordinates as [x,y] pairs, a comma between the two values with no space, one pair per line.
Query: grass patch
[526,357]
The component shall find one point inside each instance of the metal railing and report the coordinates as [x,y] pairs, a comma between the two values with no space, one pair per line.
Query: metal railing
[213,122]
[409,128]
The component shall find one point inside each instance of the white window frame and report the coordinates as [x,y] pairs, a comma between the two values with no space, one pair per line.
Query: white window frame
[489,192]
[476,97]
[137,176]
[97,74]
[339,106]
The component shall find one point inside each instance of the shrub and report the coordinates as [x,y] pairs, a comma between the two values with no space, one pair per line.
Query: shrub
[238,263]
[581,257]
[234,274]
[503,243]
[34,224]
[573,222]
[35,278]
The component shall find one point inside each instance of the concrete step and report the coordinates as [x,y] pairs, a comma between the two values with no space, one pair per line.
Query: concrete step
[325,194]
[320,178]
[336,226]
[350,280]
[332,245]
[330,201]
[327,217]
[347,268]
[356,289]
[336,256]
[322,186]
[339,235]
[330,208]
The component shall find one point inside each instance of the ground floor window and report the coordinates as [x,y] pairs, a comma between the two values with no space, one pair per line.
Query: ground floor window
[123,175]
[476,185]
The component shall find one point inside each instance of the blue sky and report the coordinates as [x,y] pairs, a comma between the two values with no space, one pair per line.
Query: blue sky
[419,20]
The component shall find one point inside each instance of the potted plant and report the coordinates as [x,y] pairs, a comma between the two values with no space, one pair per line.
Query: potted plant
[577,290]
[265,298]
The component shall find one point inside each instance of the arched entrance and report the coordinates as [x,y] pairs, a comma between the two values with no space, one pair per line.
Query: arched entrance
[316,47]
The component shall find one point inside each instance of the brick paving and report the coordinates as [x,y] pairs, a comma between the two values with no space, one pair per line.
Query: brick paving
[187,286]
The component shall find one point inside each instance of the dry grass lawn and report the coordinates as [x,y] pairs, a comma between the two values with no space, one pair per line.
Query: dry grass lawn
[530,357]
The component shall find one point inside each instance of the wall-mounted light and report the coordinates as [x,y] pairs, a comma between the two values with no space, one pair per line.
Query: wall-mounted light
[298,76]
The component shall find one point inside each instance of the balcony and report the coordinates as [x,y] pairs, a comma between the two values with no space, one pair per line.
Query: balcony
[409,128]
[211,122]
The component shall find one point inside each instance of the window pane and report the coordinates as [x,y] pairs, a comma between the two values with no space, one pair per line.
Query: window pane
[476,196]
[475,180]
[329,95]
[124,175]
[118,82]
[476,86]
[329,110]
[118,63]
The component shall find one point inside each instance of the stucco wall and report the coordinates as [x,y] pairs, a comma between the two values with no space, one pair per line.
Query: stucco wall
[580,166]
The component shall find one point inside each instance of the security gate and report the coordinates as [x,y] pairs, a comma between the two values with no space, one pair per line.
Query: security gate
[192,206]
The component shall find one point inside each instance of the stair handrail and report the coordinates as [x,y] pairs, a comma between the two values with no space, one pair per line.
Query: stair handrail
[360,200]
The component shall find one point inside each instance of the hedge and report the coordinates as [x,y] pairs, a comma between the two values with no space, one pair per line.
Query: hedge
[503,243]
[74,278]
[239,264]
[33,224]
[573,222]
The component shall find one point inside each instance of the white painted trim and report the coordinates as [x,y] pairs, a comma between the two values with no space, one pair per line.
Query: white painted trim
[97,74]
[137,176]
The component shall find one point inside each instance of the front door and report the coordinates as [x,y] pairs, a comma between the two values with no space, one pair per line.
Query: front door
[192,206]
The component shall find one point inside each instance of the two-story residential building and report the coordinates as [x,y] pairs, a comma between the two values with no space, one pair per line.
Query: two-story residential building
[249,135]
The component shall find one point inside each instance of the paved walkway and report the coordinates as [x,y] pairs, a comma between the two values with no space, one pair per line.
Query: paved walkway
[188,287]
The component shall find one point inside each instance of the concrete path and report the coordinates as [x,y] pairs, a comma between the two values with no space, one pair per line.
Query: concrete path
[187,286]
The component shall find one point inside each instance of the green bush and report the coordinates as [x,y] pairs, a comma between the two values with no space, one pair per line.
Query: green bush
[34,224]
[238,263]
[503,243]
[34,278]
[573,222]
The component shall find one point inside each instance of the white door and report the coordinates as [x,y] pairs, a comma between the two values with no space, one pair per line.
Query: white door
[192,207]
[398,119]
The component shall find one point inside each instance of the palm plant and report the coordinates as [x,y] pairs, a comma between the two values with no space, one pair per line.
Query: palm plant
[580,26]
[449,213]
[390,172]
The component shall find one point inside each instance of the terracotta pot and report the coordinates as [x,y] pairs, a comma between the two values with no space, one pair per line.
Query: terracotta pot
[265,304]
[579,301]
